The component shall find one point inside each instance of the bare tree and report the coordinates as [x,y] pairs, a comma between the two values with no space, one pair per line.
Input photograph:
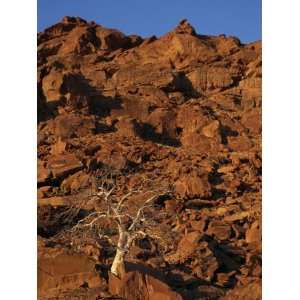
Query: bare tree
[133,211]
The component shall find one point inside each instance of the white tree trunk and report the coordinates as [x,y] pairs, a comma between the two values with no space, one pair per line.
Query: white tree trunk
[118,266]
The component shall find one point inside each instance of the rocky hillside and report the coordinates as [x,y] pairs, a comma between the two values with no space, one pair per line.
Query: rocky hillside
[184,110]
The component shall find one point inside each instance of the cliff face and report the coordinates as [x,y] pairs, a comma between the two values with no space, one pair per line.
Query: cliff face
[184,109]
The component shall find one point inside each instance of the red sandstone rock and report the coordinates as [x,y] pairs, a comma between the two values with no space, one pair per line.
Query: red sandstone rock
[183,109]
[64,165]
[253,234]
[220,230]
[64,271]
[250,291]
[138,286]
[76,182]
[192,185]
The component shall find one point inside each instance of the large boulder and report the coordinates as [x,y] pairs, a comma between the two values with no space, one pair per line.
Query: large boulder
[72,125]
[191,248]
[204,79]
[52,84]
[81,40]
[139,286]
[184,27]
[76,182]
[149,74]
[254,234]
[64,165]
[220,230]
[192,185]
[250,291]
[62,271]
[43,173]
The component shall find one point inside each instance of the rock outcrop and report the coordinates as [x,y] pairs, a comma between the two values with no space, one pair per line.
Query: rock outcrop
[140,286]
[183,108]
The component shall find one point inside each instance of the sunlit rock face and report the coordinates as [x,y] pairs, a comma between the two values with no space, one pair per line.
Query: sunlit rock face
[183,109]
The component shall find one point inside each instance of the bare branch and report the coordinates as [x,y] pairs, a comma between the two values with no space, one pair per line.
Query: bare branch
[130,220]
[82,221]
[139,213]
[124,198]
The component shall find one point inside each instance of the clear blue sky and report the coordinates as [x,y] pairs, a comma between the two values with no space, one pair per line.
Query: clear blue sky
[241,18]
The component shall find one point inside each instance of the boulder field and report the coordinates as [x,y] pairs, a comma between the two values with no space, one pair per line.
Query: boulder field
[183,109]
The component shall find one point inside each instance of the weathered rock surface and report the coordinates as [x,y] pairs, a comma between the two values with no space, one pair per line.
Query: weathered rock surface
[136,285]
[251,291]
[62,166]
[183,108]
[59,271]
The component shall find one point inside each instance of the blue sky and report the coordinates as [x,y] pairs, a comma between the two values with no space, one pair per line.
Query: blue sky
[241,18]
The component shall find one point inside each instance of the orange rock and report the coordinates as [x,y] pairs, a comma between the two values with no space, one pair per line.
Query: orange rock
[54,201]
[59,147]
[72,125]
[183,110]
[211,129]
[198,225]
[76,181]
[192,185]
[52,84]
[204,79]
[138,286]
[63,272]
[220,230]
[126,126]
[43,173]
[250,291]
[253,234]
[64,165]
[184,27]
